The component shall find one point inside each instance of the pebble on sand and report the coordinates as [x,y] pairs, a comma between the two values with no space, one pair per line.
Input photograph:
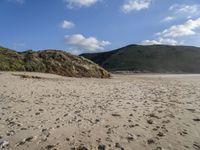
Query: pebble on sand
[4,143]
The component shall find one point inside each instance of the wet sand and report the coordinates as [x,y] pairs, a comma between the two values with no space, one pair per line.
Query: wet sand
[127,112]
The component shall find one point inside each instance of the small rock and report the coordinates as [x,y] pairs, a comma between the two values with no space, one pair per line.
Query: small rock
[196,146]
[97,120]
[150,141]
[77,112]
[155,129]
[196,119]
[10,133]
[183,133]
[65,115]
[109,131]
[116,115]
[82,148]
[101,147]
[3,143]
[28,139]
[108,139]
[117,145]
[24,141]
[160,134]
[131,126]
[41,110]
[23,129]
[150,121]
[153,116]
[49,147]
[166,121]
[130,138]
[134,125]
[46,132]
[191,110]
[20,143]
[186,146]
[37,113]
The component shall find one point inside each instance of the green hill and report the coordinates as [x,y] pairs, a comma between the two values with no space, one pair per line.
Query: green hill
[50,61]
[154,58]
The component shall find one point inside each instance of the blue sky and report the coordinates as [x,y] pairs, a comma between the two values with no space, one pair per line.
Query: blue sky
[81,26]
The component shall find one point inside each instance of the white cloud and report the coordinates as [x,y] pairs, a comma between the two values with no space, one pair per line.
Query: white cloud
[183,8]
[80,3]
[177,34]
[167,19]
[75,51]
[136,5]
[160,41]
[67,24]
[88,44]
[185,29]
[178,11]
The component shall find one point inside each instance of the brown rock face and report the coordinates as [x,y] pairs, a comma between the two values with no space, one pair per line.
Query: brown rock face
[51,61]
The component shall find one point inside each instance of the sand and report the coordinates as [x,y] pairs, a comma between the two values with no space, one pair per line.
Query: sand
[126,112]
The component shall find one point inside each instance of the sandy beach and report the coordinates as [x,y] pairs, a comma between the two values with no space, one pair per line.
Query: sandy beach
[127,112]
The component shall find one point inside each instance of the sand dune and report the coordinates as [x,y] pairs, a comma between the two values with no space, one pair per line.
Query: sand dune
[127,112]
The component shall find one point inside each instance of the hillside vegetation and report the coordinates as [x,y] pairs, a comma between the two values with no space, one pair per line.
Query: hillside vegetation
[154,58]
[50,61]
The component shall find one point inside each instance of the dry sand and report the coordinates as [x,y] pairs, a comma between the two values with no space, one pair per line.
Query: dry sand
[126,112]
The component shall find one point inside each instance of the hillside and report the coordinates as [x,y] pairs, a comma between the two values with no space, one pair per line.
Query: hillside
[154,58]
[50,61]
